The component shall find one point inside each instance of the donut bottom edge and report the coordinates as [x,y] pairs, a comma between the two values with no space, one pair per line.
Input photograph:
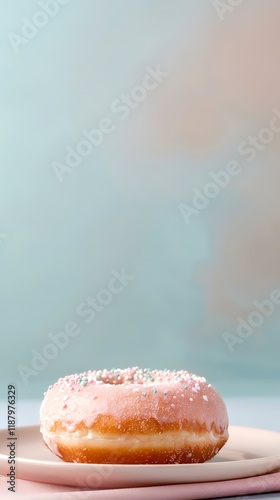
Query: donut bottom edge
[187,452]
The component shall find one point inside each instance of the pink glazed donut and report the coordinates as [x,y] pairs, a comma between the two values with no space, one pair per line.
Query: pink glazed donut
[134,416]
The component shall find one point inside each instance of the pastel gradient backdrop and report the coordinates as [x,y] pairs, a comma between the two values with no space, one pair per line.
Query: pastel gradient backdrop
[120,206]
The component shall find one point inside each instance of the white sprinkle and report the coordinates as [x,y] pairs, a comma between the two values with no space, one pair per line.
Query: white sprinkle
[205,398]
[191,399]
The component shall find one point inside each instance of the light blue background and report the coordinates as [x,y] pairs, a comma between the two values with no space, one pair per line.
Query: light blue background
[65,238]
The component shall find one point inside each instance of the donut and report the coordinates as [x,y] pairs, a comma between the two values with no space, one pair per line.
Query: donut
[133,416]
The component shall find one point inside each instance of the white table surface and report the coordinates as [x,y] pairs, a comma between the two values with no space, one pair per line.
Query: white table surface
[259,412]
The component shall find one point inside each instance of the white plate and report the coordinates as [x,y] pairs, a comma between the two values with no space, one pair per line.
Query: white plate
[248,452]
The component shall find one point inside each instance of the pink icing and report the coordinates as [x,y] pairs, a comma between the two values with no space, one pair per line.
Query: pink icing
[133,393]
